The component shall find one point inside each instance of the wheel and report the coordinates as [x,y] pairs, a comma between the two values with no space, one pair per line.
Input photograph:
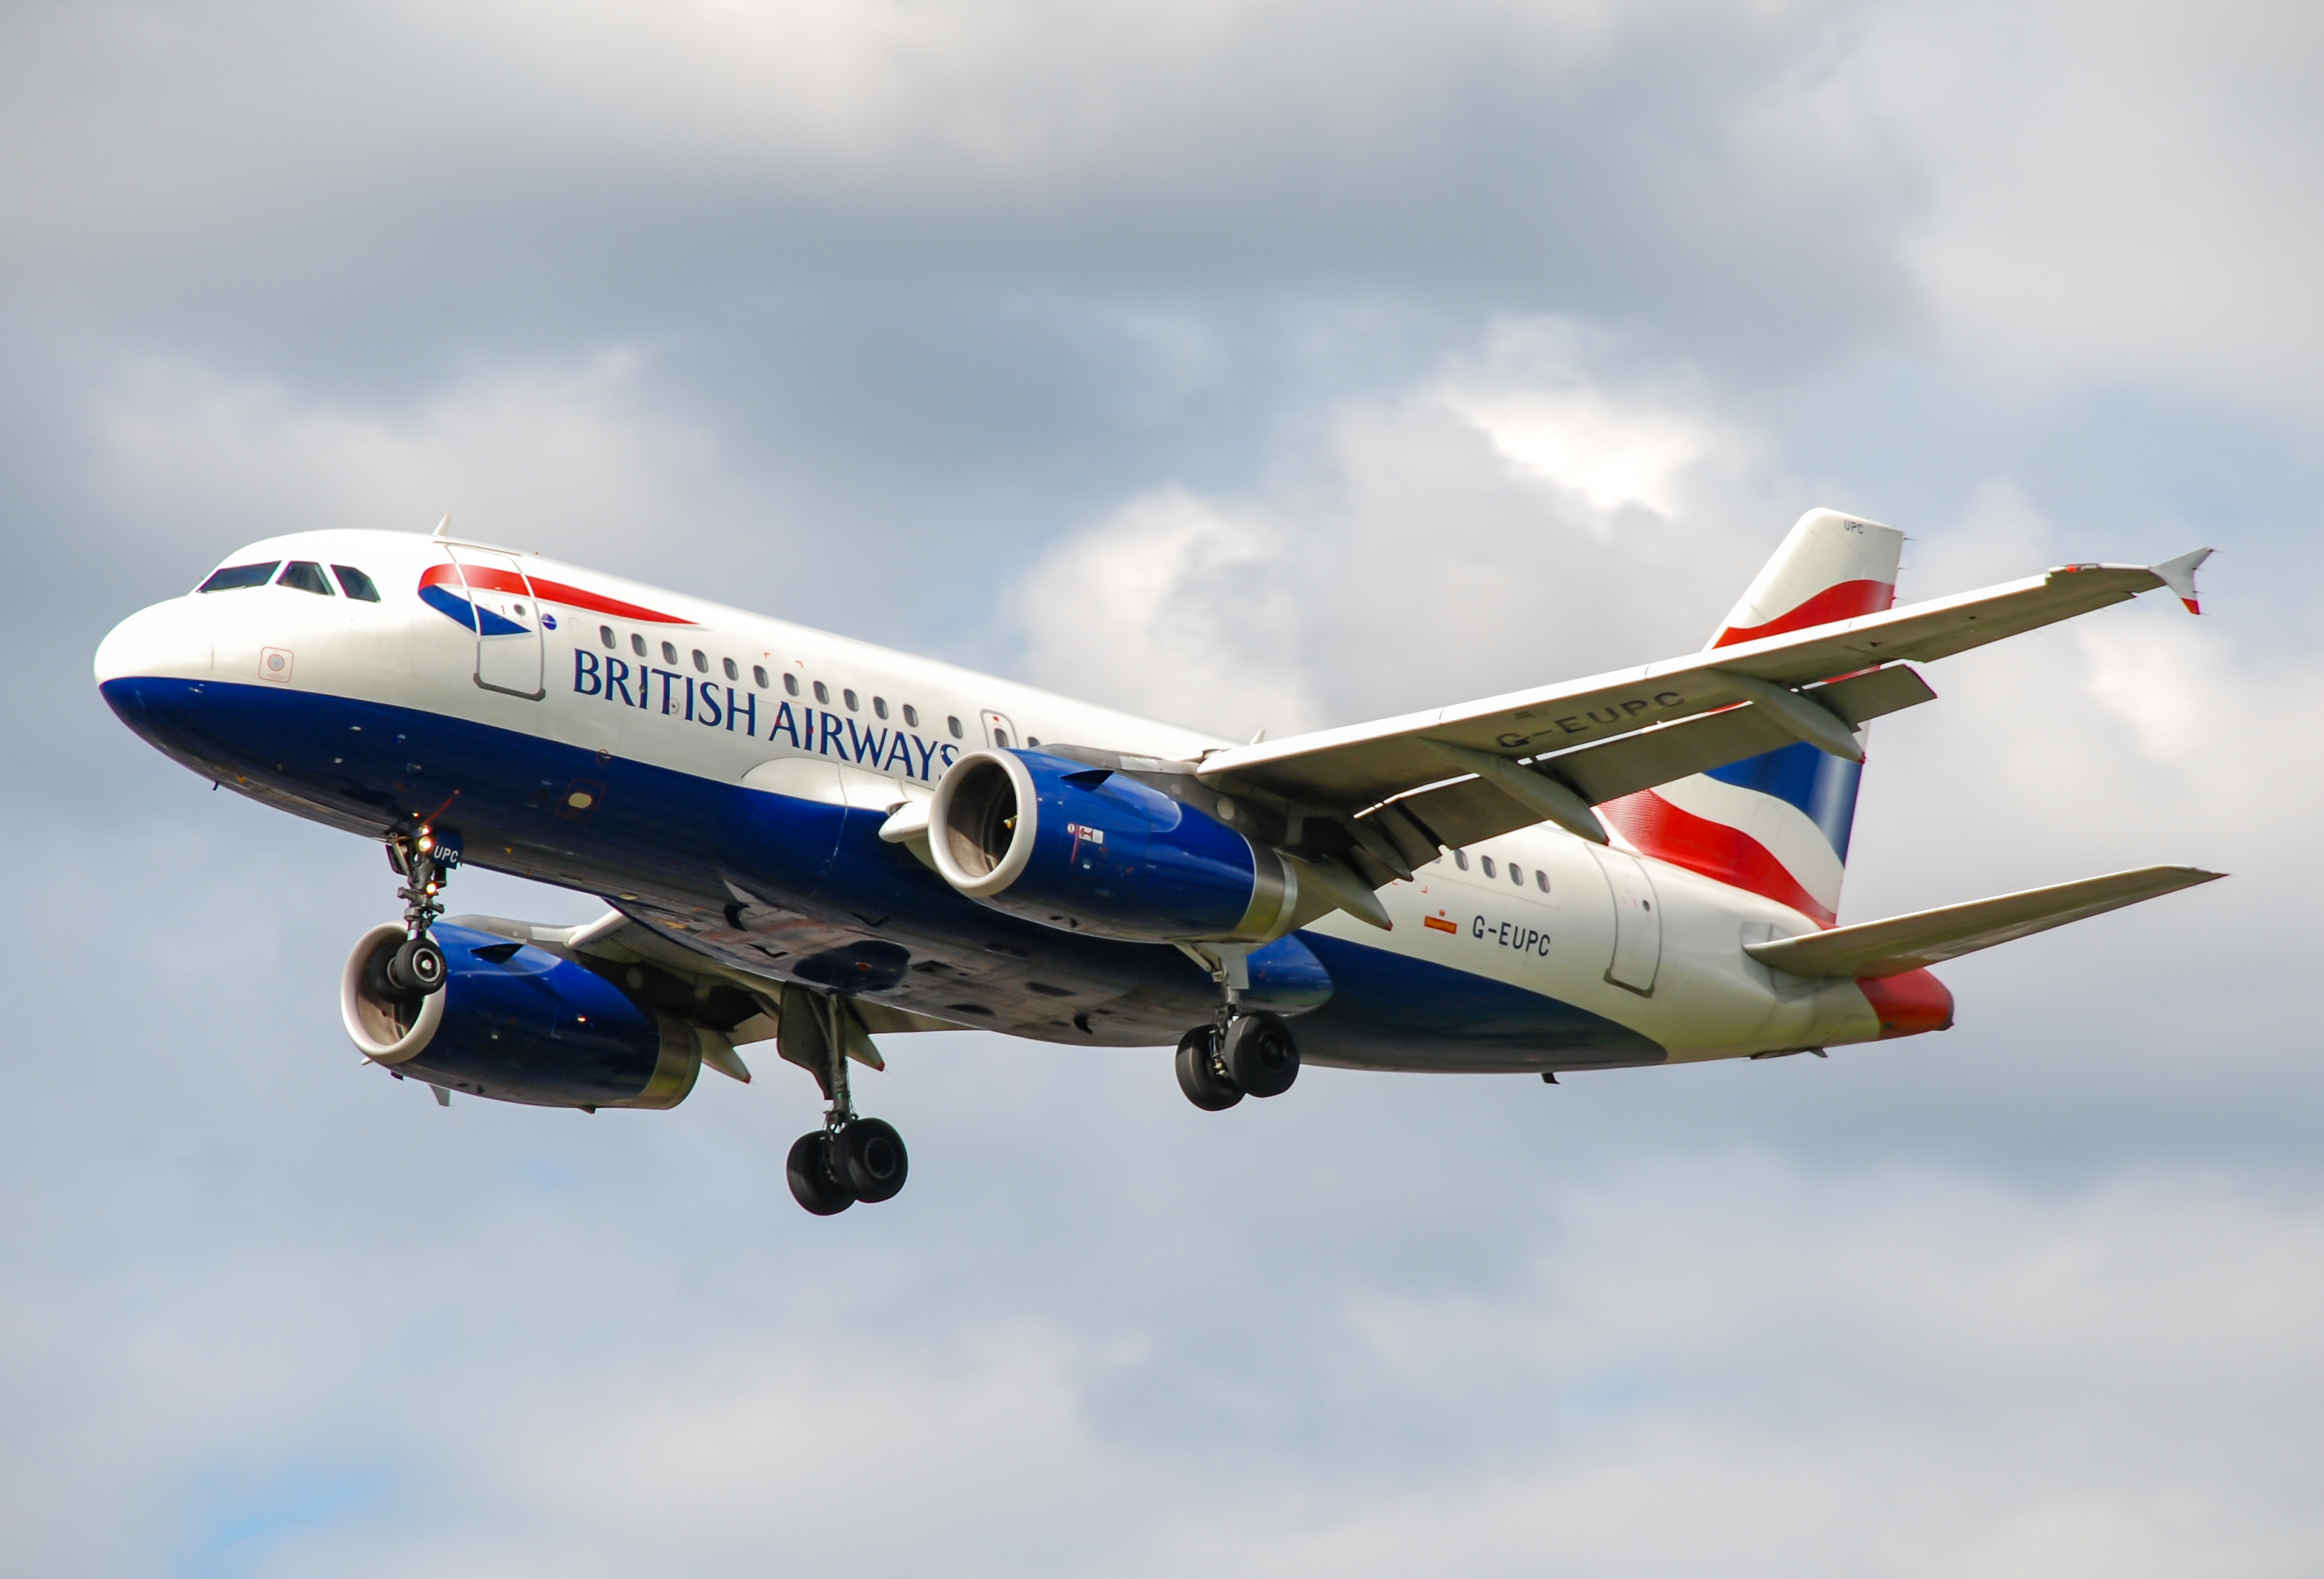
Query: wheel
[1198,1072]
[1260,1054]
[814,1183]
[870,1156]
[417,967]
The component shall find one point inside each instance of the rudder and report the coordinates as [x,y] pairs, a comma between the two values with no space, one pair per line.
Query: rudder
[1778,824]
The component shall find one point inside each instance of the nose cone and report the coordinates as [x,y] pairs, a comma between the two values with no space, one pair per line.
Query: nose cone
[168,641]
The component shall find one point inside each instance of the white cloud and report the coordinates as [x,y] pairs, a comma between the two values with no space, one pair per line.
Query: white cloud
[1497,526]
[2111,188]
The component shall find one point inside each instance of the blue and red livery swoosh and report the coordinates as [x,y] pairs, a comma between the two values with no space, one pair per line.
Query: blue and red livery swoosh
[485,578]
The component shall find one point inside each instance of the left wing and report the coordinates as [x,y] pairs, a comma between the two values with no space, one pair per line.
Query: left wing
[738,1005]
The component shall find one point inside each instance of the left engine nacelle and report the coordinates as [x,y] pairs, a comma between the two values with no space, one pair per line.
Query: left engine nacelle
[516,1023]
[1091,850]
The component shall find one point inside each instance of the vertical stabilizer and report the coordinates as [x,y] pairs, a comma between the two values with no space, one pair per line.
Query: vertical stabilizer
[1778,824]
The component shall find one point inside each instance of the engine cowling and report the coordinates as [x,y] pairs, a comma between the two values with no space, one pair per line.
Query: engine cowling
[516,1023]
[1091,849]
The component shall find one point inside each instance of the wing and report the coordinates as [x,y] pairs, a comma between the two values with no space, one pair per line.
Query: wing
[1549,754]
[1906,942]
[671,972]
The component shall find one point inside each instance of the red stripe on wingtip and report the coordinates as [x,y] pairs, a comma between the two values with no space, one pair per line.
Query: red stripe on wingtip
[2191,605]
[1908,1004]
[1849,600]
[1722,854]
[492,580]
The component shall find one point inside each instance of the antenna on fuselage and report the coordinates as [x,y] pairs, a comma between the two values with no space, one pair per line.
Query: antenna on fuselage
[444,529]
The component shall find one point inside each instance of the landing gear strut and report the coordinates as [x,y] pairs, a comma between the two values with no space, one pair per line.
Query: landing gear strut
[850,1159]
[1242,1052]
[426,865]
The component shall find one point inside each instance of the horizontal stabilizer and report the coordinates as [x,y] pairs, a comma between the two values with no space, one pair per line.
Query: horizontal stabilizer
[1906,942]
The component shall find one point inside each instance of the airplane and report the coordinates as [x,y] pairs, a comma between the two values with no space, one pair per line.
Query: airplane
[816,842]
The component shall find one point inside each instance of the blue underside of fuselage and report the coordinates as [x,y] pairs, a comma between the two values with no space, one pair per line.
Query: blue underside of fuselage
[809,889]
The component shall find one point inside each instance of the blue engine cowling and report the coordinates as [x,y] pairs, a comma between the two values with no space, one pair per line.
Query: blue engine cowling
[1091,850]
[517,1023]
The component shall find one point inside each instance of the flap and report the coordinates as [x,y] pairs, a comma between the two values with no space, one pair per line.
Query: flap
[1905,943]
[1350,768]
[1464,813]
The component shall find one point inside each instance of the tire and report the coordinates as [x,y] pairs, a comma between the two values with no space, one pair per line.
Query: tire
[813,1183]
[1198,1075]
[871,1157]
[378,984]
[417,967]
[1261,1055]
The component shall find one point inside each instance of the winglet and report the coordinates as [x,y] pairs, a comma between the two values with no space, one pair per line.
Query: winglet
[444,529]
[2178,576]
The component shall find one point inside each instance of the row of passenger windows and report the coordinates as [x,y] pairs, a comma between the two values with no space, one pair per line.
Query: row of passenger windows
[1516,873]
[305,575]
[853,702]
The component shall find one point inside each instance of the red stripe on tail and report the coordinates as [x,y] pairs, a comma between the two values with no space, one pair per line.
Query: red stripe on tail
[1722,854]
[1849,600]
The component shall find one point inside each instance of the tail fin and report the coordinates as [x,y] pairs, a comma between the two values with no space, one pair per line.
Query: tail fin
[1778,824]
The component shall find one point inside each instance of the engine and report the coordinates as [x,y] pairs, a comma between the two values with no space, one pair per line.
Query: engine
[517,1023]
[1093,850]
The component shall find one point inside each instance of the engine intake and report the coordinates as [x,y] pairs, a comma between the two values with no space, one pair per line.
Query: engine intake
[1091,849]
[517,1023]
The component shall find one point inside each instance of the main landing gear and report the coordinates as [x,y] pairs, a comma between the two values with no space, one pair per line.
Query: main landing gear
[426,865]
[1240,1053]
[850,1159]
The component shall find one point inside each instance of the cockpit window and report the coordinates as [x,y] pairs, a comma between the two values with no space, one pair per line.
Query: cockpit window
[306,576]
[356,583]
[239,575]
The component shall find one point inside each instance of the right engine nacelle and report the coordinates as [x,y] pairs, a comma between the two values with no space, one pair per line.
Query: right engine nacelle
[517,1023]
[1091,850]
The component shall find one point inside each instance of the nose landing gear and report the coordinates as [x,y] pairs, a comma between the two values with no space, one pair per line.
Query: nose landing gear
[850,1159]
[426,865]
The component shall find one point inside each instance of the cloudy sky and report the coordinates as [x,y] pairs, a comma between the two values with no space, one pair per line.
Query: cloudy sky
[1251,364]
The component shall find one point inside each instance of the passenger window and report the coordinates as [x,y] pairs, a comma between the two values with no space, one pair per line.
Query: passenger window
[849,698]
[1032,740]
[759,673]
[879,706]
[823,693]
[1461,859]
[790,683]
[669,654]
[701,664]
[236,577]
[1487,862]
[356,583]
[953,724]
[732,672]
[306,576]
[911,716]
[1516,874]
[637,644]
[605,634]
[1001,738]
[1541,880]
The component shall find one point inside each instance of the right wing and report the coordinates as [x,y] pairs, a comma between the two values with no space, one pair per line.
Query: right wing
[1402,787]
[1908,943]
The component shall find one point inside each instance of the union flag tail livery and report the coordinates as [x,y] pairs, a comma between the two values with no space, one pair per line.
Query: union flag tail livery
[1778,824]
[812,842]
